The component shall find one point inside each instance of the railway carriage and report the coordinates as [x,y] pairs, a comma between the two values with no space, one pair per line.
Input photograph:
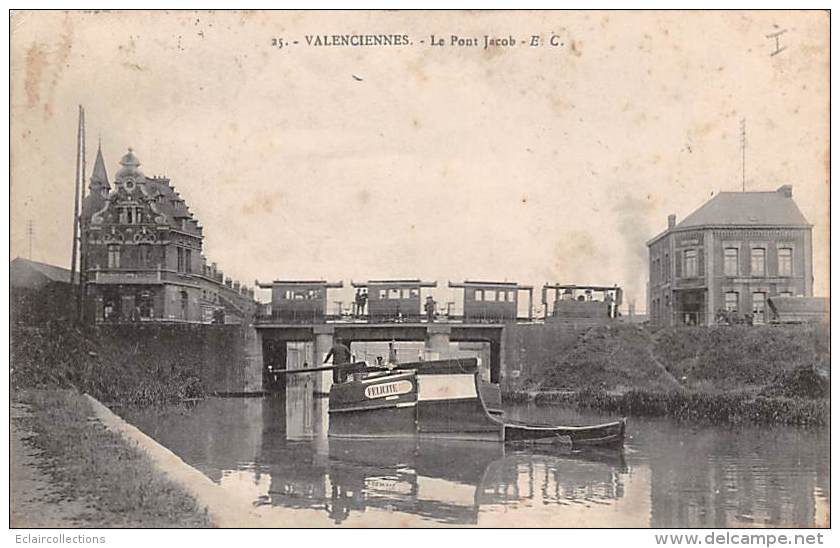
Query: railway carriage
[394,300]
[491,302]
[299,301]
[592,303]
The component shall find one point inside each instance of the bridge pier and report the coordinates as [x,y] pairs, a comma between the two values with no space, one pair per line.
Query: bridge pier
[324,337]
[438,337]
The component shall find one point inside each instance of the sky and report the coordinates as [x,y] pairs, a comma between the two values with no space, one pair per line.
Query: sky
[529,164]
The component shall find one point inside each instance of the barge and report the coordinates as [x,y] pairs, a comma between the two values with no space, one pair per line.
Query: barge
[441,399]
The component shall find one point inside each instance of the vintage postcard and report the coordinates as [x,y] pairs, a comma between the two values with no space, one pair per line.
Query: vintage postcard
[563,269]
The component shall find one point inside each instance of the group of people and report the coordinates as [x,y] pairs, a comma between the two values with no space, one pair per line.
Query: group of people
[360,304]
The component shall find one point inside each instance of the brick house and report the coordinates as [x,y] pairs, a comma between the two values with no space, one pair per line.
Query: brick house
[142,254]
[728,257]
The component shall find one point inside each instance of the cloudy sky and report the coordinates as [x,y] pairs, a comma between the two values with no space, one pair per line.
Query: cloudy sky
[527,164]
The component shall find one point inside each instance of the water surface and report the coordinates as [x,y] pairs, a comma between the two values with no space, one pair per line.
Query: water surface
[275,452]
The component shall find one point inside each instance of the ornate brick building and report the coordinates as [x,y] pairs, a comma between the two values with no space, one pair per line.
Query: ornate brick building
[142,254]
[728,257]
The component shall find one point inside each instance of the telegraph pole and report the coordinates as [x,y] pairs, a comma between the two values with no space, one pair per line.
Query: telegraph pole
[743,154]
[30,232]
[82,240]
[76,202]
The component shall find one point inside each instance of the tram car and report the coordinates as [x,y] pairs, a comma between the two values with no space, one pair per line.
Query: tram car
[299,301]
[490,302]
[591,303]
[392,300]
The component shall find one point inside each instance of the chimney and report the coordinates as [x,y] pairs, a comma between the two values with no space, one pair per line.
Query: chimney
[672,221]
[786,191]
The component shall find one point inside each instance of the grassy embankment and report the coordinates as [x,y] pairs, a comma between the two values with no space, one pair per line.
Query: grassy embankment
[60,355]
[50,369]
[770,374]
[117,483]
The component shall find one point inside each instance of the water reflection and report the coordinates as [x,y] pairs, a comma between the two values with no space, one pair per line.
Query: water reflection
[276,450]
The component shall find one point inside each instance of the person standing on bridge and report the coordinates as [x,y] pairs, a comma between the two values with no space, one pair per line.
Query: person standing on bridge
[361,301]
[430,308]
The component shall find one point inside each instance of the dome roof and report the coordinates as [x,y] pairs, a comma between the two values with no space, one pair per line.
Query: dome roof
[130,166]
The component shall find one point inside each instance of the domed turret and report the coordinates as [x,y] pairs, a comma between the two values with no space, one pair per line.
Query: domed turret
[130,168]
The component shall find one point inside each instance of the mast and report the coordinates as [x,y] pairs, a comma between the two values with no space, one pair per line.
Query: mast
[76,203]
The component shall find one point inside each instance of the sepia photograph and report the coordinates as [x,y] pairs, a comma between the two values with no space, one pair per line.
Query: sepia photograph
[420,269]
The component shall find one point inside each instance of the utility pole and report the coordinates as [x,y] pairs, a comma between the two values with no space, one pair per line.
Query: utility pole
[76,201]
[82,239]
[743,154]
[30,232]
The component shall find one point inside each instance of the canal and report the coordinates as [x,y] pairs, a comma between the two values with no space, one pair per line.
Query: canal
[273,452]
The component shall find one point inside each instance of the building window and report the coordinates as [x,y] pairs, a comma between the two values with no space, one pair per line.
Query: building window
[785,261]
[489,294]
[145,254]
[730,261]
[145,305]
[757,262]
[730,301]
[665,266]
[184,304]
[479,295]
[758,308]
[383,293]
[113,256]
[690,263]
[184,259]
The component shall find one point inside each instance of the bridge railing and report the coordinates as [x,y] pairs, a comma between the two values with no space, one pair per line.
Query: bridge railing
[297,318]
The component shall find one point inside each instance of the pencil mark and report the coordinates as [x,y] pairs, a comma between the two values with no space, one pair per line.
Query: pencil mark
[777,35]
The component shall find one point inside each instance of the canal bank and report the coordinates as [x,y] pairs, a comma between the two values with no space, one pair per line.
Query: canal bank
[78,464]
[776,374]
[716,408]
[87,475]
